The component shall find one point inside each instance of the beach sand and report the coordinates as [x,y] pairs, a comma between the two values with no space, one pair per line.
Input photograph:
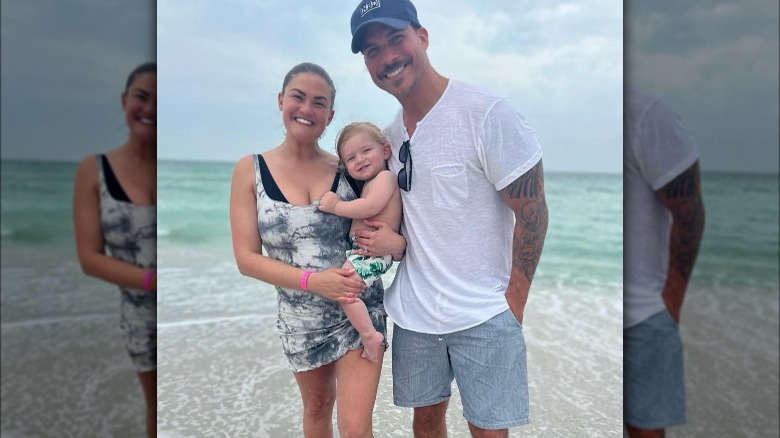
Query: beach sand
[732,355]
[222,373]
[65,372]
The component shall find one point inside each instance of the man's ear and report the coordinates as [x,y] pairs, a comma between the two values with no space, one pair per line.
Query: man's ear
[422,33]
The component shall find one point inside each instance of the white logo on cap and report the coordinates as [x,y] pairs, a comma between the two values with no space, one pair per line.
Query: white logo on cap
[370,4]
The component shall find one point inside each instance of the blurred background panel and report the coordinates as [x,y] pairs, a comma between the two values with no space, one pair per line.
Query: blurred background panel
[715,63]
[65,371]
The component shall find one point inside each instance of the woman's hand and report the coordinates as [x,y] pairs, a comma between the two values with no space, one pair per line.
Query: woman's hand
[337,284]
[380,240]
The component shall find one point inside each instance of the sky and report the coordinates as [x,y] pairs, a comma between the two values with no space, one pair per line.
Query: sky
[64,65]
[222,66]
[716,63]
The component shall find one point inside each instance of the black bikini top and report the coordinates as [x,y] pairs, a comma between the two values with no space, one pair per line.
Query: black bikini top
[114,188]
[273,192]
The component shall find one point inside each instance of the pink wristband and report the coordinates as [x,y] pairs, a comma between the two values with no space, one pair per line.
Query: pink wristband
[148,279]
[304,280]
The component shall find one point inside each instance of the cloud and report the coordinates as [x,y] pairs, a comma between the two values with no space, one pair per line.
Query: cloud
[71,61]
[64,65]
[223,63]
[717,65]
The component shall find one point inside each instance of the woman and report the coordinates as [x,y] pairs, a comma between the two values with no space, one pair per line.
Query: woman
[274,205]
[115,220]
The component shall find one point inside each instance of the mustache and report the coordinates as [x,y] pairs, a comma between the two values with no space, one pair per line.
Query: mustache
[394,66]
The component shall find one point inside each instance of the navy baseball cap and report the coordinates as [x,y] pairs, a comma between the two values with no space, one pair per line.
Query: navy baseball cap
[394,13]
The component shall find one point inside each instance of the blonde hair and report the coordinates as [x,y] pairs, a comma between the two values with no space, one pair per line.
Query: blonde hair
[353,128]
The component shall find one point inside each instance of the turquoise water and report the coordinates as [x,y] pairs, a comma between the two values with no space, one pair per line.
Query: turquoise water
[740,244]
[583,246]
[584,240]
[36,203]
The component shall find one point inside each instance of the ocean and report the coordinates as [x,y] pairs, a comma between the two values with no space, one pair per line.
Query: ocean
[221,371]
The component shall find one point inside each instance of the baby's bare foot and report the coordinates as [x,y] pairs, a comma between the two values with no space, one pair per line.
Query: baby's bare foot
[372,346]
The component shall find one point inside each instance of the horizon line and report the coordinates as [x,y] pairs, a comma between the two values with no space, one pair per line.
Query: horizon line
[215,161]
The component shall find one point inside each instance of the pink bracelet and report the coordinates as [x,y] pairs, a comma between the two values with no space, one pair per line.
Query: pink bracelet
[304,280]
[148,279]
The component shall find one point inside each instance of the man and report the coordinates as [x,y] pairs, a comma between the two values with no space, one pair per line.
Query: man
[475,219]
[663,224]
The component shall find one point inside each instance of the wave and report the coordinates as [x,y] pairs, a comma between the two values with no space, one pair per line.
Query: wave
[38,233]
[214,319]
[56,320]
[194,233]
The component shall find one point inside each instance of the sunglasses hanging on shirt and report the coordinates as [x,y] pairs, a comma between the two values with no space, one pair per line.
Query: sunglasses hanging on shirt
[405,174]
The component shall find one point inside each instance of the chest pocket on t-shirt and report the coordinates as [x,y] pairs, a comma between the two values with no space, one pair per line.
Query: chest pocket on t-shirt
[450,185]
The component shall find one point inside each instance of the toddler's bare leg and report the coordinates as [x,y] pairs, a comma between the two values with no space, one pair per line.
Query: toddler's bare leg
[358,316]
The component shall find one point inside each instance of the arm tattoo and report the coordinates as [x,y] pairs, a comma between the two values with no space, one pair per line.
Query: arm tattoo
[527,185]
[526,198]
[687,236]
[682,197]
[527,247]
[684,186]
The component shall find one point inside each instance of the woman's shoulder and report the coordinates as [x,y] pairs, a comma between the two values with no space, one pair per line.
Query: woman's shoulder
[114,154]
[249,158]
[86,178]
[88,166]
[330,160]
[89,160]
[245,165]
[328,164]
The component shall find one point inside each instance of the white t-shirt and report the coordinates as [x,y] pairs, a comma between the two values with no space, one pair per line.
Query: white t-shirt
[657,148]
[458,229]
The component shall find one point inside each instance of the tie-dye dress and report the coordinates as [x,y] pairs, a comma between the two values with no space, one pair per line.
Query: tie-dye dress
[130,235]
[314,330]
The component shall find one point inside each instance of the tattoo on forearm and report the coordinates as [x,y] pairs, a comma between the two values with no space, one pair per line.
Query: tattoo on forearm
[683,197]
[686,236]
[531,215]
[527,247]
